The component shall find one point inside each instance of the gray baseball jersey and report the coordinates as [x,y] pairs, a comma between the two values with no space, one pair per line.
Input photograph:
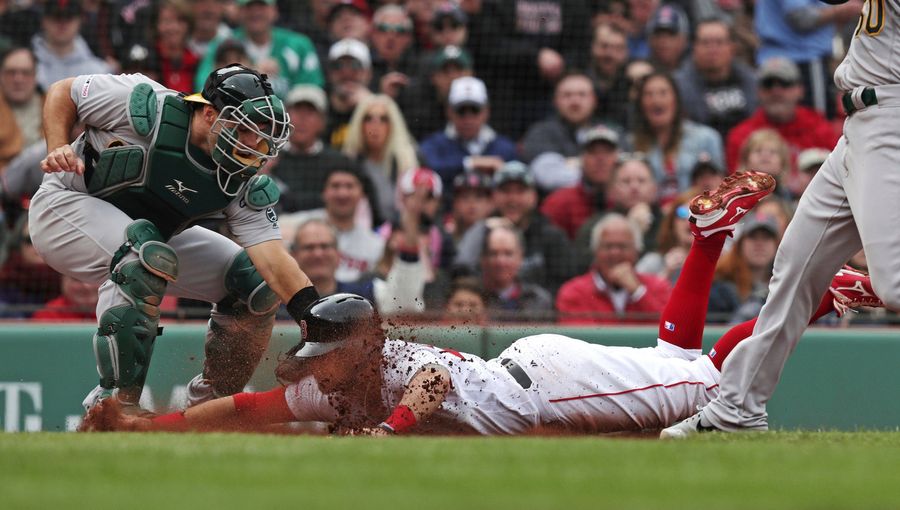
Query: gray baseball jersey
[874,56]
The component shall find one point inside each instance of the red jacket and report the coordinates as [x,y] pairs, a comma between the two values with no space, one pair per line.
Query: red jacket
[61,309]
[579,296]
[569,208]
[808,130]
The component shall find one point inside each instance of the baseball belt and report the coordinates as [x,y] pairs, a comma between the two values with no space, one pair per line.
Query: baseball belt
[858,99]
[517,372]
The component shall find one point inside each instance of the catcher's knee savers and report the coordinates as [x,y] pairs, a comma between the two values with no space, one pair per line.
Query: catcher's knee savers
[124,341]
[245,285]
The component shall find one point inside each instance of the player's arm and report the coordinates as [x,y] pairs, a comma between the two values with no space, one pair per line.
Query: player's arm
[424,395]
[59,116]
[283,275]
[242,411]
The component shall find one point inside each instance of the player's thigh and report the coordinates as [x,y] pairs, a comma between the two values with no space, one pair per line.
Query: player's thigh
[75,233]
[203,258]
[873,189]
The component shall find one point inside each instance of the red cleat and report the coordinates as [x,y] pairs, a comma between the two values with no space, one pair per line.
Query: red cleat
[720,210]
[851,289]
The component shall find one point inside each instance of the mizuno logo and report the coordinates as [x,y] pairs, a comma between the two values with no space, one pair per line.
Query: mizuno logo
[180,190]
[858,287]
[737,211]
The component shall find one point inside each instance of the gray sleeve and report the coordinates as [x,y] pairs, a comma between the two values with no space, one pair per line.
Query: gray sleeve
[249,226]
[102,99]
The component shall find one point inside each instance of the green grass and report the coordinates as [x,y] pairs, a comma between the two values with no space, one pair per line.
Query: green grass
[795,470]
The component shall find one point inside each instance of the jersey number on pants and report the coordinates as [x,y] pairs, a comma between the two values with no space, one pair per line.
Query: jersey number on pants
[871,18]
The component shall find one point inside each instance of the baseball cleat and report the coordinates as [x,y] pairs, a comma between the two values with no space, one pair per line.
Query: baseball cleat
[851,289]
[720,210]
[688,427]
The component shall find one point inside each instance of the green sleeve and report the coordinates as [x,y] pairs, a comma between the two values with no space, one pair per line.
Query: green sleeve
[310,71]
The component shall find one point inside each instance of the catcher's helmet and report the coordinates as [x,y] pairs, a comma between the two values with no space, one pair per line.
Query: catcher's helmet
[245,101]
[331,321]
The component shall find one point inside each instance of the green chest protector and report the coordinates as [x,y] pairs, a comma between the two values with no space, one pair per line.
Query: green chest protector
[166,184]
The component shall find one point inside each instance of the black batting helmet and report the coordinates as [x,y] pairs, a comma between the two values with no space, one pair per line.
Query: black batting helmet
[330,322]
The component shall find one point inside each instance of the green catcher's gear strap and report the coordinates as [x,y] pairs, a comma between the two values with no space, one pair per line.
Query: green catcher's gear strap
[244,283]
[143,238]
[261,193]
[142,109]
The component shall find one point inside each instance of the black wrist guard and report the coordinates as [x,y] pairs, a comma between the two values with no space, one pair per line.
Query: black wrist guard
[302,299]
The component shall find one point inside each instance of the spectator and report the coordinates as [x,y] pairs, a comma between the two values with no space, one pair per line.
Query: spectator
[393,58]
[529,47]
[287,57]
[766,151]
[466,302]
[509,298]
[26,281]
[640,12]
[19,90]
[609,56]
[378,140]
[424,102]
[360,248]
[175,63]
[349,75]
[808,162]
[636,71]
[349,19]
[612,290]
[611,12]
[778,209]
[304,165]
[19,22]
[471,203]
[672,144]
[208,27]
[232,51]
[747,266]
[718,90]
[551,145]
[780,91]
[706,176]
[802,31]
[468,143]
[673,242]
[549,261]
[78,302]
[569,208]
[448,26]
[668,37]
[60,51]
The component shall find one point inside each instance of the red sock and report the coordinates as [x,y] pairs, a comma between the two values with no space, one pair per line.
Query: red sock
[733,336]
[684,316]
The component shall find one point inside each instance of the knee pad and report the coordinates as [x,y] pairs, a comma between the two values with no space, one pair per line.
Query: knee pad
[244,284]
[124,340]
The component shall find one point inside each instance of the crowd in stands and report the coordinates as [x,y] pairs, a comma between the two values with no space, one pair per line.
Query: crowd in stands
[477,160]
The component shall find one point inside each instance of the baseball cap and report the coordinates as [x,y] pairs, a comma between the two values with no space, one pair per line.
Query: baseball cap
[471,181]
[421,176]
[451,54]
[308,94]
[360,6]
[779,68]
[811,159]
[467,90]
[598,133]
[351,48]
[62,8]
[668,18]
[513,171]
[449,12]
[758,221]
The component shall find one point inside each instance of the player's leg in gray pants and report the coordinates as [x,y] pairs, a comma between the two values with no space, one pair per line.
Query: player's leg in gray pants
[821,237]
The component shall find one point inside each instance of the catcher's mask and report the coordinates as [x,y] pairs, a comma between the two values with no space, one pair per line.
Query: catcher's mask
[246,104]
[333,321]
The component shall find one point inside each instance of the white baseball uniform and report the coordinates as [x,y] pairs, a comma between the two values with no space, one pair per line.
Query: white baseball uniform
[850,204]
[582,386]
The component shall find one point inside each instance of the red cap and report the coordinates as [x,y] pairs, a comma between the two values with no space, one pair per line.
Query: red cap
[421,177]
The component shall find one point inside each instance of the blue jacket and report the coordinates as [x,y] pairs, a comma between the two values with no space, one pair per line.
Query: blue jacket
[444,153]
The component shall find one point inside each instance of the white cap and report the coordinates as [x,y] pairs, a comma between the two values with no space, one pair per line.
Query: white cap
[351,48]
[467,90]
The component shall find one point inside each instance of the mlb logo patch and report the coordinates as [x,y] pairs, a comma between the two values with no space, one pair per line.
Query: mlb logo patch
[712,353]
[669,326]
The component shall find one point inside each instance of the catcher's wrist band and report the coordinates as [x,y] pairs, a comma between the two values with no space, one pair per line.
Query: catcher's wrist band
[303,298]
[400,420]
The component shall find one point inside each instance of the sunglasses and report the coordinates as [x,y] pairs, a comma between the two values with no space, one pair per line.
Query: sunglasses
[770,83]
[384,119]
[398,28]
[349,63]
[462,111]
[447,25]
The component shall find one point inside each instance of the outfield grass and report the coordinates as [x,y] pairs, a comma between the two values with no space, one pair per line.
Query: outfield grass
[792,470]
